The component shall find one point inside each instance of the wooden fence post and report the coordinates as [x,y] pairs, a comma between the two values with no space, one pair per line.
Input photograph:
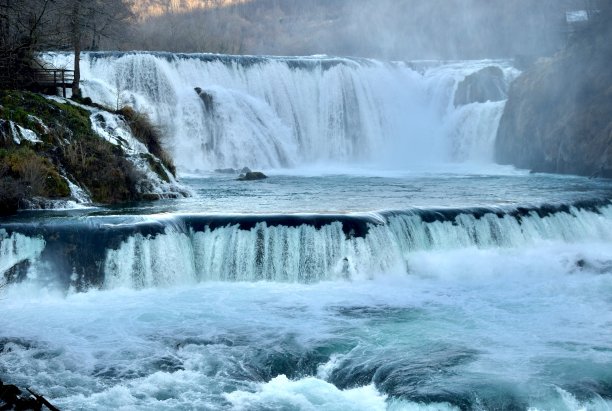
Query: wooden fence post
[63,84]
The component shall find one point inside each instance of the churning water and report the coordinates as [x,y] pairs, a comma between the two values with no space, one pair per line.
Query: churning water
[360,278]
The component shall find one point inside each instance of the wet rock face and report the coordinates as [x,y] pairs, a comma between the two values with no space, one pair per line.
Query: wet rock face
[12,398]
[486,84]
[206,97]
[558,117]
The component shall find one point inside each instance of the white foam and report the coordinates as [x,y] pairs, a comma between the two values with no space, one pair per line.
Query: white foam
[18,248]
[405,243]
[307,394]
[271,114]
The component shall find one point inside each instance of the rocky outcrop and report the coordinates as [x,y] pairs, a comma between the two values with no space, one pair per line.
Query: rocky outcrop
[558,117]
[244,170]
[56,153]
[487,84]
[12,398]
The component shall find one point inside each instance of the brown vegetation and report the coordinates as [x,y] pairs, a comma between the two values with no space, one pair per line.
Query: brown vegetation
[150,135]
[33,170]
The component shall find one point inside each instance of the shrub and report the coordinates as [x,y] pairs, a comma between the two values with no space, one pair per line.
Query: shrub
[11,191]
[143,129]
[101,167]
[33,171]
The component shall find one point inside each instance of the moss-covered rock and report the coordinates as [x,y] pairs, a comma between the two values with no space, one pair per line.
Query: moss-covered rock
[43,141]
[150,135]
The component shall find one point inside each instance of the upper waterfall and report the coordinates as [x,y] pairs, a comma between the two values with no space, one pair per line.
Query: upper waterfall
[273,112]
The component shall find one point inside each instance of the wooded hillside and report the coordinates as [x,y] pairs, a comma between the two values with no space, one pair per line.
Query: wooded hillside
[398,29]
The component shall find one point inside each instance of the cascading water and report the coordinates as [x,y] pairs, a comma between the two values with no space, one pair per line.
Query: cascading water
[392,285]
[291,112]
[187,249]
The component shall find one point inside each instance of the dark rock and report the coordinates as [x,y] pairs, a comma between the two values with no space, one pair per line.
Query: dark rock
[12,397]
[6,134]
[558,118]
[487,84]
[151,197]
[245,170]
[252,175]
[206,97]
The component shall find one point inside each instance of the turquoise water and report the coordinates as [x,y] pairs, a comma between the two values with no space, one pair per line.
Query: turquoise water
[463,291]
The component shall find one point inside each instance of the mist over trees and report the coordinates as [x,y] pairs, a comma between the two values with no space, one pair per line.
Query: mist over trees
[388,29]
[397,29]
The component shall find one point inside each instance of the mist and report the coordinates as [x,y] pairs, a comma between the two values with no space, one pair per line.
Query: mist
[386,29]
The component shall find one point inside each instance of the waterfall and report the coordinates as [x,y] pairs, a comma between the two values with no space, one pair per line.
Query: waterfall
[17,253]
[152,251]
[273,112]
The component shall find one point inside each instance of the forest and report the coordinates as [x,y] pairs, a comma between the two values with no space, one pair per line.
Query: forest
[388,29]
[406,29]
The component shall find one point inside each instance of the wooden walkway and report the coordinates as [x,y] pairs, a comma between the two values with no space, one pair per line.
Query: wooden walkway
[42,79]
[52,78]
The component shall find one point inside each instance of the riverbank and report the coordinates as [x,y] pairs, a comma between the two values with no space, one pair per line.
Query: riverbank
[56,153]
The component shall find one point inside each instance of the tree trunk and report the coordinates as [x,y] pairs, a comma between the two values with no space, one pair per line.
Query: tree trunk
[76,42]
[76,91]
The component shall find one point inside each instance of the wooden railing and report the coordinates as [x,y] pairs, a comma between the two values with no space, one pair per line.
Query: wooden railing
[52,78]
[36,79]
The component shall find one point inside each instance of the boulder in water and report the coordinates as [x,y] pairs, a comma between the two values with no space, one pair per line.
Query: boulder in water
[487,84]
[252,176]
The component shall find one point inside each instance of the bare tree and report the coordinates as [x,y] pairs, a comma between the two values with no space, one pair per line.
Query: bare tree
[28,26]
[87,22]
[22,27]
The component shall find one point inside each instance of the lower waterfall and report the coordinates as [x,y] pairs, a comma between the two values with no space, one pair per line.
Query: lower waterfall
[143,252]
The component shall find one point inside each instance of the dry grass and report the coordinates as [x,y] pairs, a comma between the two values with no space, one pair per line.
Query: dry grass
[150,135]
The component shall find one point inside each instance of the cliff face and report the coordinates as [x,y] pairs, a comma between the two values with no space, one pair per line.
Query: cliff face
[558,117]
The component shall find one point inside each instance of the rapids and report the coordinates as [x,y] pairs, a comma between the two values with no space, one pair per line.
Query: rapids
[386,264]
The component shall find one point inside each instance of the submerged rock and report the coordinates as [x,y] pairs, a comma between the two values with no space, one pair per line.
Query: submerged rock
[252,175]
[487,84]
